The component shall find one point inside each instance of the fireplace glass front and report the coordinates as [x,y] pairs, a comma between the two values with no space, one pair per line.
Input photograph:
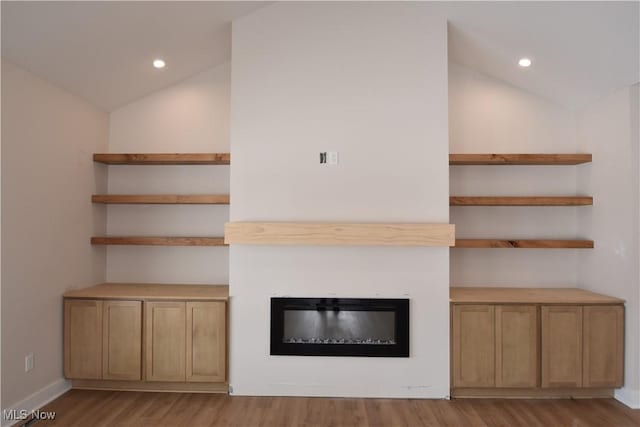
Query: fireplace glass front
[340,327]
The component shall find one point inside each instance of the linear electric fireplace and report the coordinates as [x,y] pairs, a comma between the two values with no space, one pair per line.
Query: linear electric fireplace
[340,327]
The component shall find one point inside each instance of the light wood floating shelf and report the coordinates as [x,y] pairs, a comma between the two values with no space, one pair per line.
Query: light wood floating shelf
[526,244]
[151,291]
[159,241]
[303,233]
[164,159]
[520,201]
[519,159]
[162,199]
[497,295]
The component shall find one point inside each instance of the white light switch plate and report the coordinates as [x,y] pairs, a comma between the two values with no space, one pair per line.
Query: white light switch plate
[332,158]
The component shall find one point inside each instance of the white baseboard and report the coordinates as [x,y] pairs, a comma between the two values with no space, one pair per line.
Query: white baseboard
[38,399]
[629,397]
[347,390]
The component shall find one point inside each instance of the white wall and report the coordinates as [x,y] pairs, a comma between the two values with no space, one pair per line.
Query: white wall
[635,136]
[490,116]
[1,405]
[191,116]
[609,130]
[635,139]
[48,176]
[369,81]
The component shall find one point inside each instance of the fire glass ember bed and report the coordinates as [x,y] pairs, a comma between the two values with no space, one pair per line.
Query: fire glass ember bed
[340,327]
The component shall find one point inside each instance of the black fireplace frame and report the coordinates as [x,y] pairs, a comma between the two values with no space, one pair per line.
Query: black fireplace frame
[399,306]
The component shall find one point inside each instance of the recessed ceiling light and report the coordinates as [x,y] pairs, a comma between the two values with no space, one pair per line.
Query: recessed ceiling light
[158,63]
[524,62]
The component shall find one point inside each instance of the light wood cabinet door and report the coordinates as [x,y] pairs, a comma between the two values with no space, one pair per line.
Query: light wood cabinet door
[517,352]
[165,341]
[473,345]
[206,341]
[603,346]
[82,339]
[122,340]
[561,346]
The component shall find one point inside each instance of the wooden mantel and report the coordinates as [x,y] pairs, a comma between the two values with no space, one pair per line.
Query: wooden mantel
[340,234]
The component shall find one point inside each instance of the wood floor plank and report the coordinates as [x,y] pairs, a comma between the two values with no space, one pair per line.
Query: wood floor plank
[425,414]
[523,409]
[139,403]
[139,409]
[487,412]
[628,416]
[448,414]
[467,410]
[578,414]
[203,410]
[99,402]
[510,416]
[373,413]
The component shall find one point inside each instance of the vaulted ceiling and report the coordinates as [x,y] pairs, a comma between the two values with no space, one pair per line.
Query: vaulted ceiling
[102,51]
[580,50]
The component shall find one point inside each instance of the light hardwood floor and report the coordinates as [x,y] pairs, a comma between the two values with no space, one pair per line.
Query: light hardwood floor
[106,408]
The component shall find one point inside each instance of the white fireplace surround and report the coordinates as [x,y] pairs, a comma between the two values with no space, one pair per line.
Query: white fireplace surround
[368,81]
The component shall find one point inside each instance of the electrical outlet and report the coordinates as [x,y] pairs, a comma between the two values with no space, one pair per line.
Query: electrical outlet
[28,362]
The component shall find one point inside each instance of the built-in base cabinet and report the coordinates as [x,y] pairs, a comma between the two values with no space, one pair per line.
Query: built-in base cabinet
[83,339]
[145,341]
[495,346]
[165,341]
[206,342]
[603,346]
[185,341]
[562,343]
[122,340]
[531,346]
[517,348]
[583,346]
